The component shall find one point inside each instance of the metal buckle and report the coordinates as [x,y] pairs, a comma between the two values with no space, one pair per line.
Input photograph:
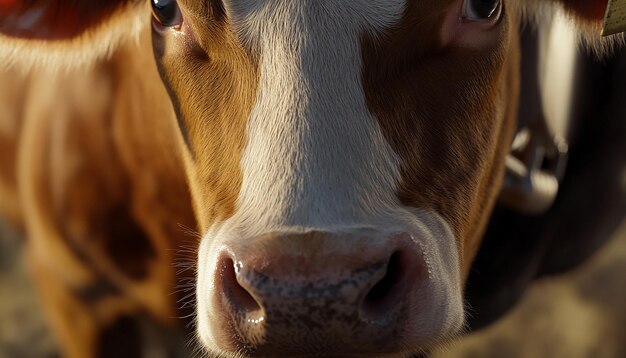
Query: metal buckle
[534,169]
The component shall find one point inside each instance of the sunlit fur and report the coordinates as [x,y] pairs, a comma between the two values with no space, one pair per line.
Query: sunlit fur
[96,44]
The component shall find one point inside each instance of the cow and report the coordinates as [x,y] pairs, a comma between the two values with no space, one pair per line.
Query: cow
[326,167]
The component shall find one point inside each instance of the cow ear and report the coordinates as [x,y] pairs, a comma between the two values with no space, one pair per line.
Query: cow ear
[65,32]
[587,16]
[54,19]
[588,11]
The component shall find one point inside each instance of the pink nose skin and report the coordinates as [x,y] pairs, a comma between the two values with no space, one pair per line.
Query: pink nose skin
[300,295]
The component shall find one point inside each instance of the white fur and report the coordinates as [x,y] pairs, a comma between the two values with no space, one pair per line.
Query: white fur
[557,72]
[314,151]
[315,158]
[557,66]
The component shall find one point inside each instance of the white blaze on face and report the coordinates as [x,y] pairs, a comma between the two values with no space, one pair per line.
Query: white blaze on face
[315,157]
[313,151]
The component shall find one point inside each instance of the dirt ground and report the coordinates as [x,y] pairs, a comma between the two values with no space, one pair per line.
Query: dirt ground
[580,314]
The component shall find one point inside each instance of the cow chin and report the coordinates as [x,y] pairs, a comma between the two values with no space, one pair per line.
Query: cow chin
[391,287]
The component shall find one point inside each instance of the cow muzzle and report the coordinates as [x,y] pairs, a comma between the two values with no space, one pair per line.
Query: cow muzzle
[318,294]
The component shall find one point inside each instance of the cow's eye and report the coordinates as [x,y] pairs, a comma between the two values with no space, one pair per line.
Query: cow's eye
[481,9]
[167,12]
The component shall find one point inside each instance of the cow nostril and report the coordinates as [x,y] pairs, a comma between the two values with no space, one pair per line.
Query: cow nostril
[239,297]
[384,295]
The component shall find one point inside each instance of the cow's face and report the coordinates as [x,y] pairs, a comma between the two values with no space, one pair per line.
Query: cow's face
[344,157]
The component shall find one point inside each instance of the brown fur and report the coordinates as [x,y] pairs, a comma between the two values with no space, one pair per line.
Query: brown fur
[587,10]
[216,107]
[455,153]
[12,100]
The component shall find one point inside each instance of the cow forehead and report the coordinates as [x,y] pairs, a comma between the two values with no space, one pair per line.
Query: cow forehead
[313,149]
[258,19]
